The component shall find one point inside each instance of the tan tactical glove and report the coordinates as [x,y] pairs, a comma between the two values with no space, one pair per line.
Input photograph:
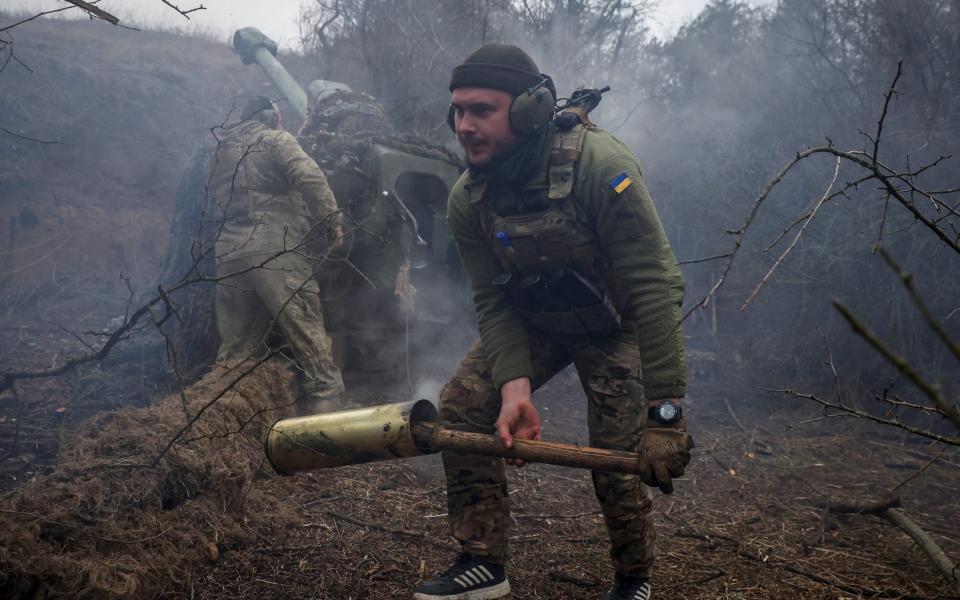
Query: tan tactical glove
[666,451]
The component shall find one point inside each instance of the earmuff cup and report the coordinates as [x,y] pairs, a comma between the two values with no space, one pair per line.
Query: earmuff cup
[450,119]
[529,112]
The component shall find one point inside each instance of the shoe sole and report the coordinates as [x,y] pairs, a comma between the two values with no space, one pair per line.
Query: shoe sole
[496,592]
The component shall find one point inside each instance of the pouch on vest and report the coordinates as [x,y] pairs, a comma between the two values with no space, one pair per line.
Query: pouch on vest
[514,292]
[564,303]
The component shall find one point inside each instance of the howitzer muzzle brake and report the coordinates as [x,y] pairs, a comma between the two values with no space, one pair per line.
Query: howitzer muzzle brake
[247,40]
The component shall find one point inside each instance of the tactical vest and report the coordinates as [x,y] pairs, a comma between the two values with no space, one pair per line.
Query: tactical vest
[555,271]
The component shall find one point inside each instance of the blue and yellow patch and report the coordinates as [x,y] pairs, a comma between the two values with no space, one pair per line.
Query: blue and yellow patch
[620,182]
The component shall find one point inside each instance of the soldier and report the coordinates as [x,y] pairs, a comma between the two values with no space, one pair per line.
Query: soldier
[279,219]
[568,263]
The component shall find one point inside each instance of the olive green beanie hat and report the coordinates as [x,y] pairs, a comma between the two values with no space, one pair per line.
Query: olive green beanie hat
[498,66]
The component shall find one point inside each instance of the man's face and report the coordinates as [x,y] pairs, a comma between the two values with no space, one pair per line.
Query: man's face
[481,118]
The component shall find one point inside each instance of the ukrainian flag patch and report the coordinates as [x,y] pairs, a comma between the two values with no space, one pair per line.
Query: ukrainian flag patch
[620,182]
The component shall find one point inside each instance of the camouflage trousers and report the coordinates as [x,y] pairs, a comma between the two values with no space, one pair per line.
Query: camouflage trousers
[282,295]
[478,504]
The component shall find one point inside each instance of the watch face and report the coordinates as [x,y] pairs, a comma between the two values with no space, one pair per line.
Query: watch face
[666,412]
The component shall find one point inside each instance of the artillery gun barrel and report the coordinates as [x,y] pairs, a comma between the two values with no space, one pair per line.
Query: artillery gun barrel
[255,47]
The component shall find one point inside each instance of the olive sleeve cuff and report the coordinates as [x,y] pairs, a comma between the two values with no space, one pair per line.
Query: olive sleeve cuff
[507,369]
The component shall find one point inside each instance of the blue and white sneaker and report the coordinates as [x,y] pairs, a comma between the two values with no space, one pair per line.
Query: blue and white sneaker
[471,578]
[630,588]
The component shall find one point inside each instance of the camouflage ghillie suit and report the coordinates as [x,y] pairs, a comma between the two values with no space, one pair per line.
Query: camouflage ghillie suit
[346,112]
[274,209]
[585,208]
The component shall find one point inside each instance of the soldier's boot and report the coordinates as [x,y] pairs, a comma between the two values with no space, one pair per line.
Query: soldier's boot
[470,578]
[630,588]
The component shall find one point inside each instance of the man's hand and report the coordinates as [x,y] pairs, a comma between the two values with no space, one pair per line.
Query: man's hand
[519,418]
[666,451]
[337,236]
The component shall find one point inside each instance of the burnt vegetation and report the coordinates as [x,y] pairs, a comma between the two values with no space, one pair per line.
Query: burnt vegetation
[801,157]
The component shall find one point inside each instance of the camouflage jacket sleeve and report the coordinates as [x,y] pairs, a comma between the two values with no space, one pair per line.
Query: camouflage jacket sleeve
[304,175]
[502,334]
[630,232]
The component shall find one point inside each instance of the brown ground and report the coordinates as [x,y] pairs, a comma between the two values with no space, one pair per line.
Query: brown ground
[746,522]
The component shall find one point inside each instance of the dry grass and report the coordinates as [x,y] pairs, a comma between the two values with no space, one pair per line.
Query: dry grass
[114,520]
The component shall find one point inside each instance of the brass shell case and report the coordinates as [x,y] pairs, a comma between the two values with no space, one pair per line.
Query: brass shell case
[347,437]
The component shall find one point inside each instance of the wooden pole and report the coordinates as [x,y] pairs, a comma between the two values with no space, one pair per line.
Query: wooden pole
[432,437]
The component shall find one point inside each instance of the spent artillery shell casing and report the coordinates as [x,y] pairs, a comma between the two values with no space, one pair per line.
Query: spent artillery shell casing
[404,430]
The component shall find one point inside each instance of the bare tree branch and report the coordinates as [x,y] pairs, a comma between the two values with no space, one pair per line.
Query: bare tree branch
[846,411]
[932,391]
[796,238]
[36,16]
[876,170]
[932,321]
[886,105]
[93,11]
[185,13]
[28,138]
[694,261]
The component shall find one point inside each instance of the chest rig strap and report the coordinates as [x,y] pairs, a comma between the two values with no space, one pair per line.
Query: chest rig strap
[563,159]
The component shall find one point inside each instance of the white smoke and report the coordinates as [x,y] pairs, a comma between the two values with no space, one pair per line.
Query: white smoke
[429,389]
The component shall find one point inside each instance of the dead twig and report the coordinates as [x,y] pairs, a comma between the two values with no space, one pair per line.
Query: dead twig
[846,411]
[417,534]
[93,11]
[918,471]
[931,390]
[36,16]
[694,261]
[907,280]
[185,13]
[886,105]
[796,238]
[28,138]
[84,528]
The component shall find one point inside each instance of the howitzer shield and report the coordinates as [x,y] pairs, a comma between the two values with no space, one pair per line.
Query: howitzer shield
[347,437]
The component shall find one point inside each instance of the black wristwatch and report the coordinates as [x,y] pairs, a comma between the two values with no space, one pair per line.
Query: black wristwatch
[666,412]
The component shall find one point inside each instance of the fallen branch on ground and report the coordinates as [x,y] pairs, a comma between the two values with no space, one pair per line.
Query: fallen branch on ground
[887,509]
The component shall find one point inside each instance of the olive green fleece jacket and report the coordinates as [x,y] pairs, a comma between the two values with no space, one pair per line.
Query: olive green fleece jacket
[630,233]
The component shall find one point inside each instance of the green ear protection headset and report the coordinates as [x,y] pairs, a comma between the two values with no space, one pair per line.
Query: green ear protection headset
[530,111]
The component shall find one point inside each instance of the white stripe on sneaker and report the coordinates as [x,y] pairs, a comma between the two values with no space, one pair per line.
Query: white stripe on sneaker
[461,580]
[484,570]
[469,576]
[494,592]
